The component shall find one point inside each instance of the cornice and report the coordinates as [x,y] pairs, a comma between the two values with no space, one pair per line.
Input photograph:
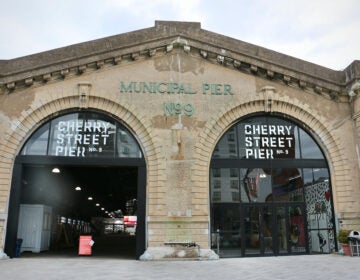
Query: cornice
[166,37]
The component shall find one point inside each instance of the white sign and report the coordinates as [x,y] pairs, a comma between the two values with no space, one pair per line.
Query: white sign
[269,141]
[77,138]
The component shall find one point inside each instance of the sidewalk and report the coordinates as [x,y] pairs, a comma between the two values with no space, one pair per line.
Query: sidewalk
[285,268]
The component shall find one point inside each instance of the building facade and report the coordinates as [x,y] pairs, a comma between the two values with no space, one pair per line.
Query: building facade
[236,150]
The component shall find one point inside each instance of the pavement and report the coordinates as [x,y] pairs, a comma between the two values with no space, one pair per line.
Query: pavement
[331,266]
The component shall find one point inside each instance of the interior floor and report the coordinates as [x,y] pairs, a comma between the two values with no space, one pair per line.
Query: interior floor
[109,246]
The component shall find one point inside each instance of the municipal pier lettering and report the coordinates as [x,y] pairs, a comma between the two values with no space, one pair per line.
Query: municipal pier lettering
[168,88]
[174,88]
[178,108]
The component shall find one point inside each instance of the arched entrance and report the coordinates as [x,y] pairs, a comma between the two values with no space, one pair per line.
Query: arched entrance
[270,191]
[86,174]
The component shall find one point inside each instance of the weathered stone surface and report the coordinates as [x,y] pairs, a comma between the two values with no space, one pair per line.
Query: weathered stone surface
[221,80]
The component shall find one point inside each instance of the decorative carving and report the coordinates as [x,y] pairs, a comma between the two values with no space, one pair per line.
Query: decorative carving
[237,64]
[134,56]
[10,86]
[318,89]
[46,77]
[302,84]
[268,92]
[169,48]
[287,79]
[117,59]
[203,53]
[220,59]
[99,64]
[29,81]
[270,74]
[334,96]
[354,91]
[253,68]
[220,56]
[152,52]
[82,69]
[64,72]
[84,91]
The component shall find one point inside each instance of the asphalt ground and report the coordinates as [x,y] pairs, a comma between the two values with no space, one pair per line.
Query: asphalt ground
[332,266]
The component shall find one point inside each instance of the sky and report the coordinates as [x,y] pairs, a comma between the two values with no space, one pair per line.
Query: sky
[324,32]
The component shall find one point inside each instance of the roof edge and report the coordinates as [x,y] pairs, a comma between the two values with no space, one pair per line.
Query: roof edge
[352,72]
[78,55]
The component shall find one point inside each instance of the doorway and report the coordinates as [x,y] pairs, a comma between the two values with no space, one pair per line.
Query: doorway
[274,229]
[83,200]
[88,172]
[259,229]
[270,191]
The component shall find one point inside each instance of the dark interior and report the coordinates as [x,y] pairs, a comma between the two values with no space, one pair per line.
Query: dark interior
[113,191]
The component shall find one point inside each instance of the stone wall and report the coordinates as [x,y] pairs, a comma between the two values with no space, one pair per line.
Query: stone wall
[178,147]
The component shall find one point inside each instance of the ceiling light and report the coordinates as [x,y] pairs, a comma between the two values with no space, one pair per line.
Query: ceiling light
[90,198]
[77,188]
[97,204]
[102,208]
[55,170]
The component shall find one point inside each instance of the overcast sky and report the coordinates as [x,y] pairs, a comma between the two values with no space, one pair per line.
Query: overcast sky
[325,32]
